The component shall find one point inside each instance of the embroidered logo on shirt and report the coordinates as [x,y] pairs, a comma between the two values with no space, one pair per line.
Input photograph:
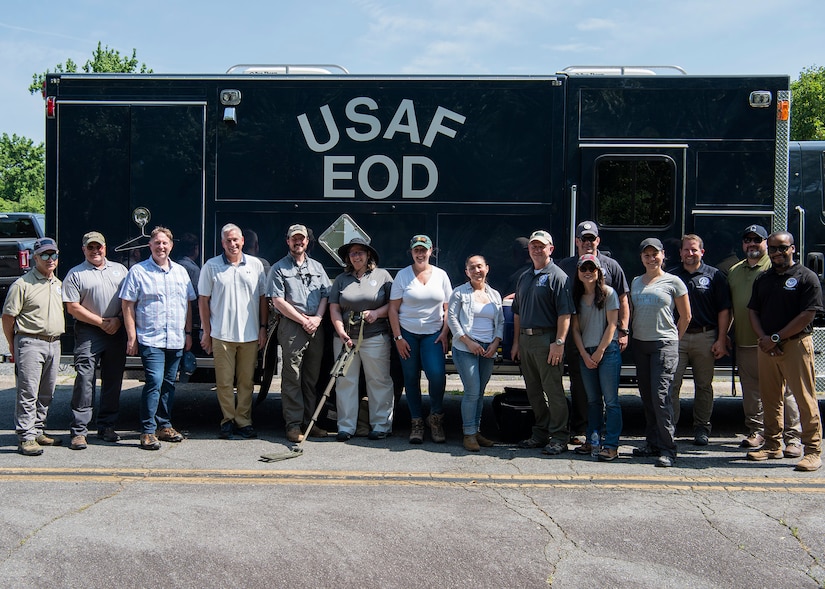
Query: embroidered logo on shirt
[790,283]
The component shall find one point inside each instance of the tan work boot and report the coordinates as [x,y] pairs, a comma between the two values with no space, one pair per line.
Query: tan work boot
[30,448]
[483,442]
[45,440]
[809,463]
[471,443]
[764,454]
[78,443]
[436,423]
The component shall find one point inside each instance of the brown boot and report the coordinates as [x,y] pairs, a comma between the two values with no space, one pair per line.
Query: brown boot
[471,443]
[483,442]
[436,423]
[417,431]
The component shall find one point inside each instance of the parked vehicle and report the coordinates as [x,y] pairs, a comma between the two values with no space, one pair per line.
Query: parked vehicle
[18,232]
[474,161]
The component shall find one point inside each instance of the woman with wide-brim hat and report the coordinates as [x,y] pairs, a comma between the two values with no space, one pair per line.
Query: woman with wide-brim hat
[358,306]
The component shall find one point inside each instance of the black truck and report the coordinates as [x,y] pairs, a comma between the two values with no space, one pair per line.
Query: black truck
[18,232]
[474,161]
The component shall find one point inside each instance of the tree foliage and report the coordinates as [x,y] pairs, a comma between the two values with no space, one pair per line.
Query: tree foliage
[808,105]
[104,60]
[22,174]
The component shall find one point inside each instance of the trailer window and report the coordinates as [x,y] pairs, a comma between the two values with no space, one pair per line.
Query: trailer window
[635,190]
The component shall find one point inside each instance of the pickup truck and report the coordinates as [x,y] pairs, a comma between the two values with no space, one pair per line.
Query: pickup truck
[18,232]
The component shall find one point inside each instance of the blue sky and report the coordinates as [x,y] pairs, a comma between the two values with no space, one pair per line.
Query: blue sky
[508,37]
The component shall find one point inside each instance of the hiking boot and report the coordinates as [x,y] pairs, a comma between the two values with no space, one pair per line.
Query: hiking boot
[317,432]
[764,454]
[554,448]
[471,443]
[585,448]
[809,463]
[293,434]
[608,454]
[700,438]
[436,423]
[149,442]
[108,434]
[793,450]
[665,461]
[169,434]
[417,431]
[78,443]
[30,448]
[755,440]
[45,440]
[483,442]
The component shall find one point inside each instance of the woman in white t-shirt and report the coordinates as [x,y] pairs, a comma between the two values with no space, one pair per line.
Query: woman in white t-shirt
[418,305]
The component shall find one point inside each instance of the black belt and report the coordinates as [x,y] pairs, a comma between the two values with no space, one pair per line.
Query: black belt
[700,329]
[798,335]
[536,331]
[45,338]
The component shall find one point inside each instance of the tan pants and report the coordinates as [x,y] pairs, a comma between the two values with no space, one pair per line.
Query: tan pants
[235,363]
[747,363]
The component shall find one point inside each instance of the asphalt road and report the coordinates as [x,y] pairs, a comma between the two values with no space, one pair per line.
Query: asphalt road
[209,513]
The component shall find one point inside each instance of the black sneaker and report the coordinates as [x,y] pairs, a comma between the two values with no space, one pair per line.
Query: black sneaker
[226,431]
[645,452]
[343,437]
[108,434]
[700,439]
[376,435]
[247,432]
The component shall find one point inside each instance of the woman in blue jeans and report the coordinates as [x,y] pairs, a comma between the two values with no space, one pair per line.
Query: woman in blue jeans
[418,307]
[595,335]
[477,321]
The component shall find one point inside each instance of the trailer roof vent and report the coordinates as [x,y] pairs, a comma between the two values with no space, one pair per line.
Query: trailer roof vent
[623,70]
[286,69]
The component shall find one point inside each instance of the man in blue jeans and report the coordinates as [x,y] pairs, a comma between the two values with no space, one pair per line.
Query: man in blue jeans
[157,313]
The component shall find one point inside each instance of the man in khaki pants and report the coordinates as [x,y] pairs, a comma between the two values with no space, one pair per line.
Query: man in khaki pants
[234,314]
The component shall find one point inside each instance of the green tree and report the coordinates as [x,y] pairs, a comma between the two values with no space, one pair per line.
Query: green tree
[808,105]
[22,174]
[104,60]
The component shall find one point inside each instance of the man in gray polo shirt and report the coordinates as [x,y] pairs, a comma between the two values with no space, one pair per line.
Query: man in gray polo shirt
[299,288]
[90,292]
[32,323]
[542,308]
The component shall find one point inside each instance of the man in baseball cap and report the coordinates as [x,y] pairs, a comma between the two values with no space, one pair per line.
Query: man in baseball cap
[45,244]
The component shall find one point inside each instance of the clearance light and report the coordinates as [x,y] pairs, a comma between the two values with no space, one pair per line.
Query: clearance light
[760,99]
[51,107]
[783,110]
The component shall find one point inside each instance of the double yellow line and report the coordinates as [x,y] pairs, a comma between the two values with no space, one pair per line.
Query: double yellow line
[800,484]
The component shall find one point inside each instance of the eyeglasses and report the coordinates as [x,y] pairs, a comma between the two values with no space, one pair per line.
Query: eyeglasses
[587,268]
[782,249]
[46,256]
[357,254]
[756,240]
[588,238]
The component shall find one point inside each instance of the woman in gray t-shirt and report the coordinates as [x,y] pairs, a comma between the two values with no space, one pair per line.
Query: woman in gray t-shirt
[653,297]
[596,337]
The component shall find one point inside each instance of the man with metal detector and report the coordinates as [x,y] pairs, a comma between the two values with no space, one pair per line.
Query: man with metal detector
[299,289]
[235,312]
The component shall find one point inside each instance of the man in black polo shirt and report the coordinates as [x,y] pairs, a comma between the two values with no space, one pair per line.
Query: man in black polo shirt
[703,342]
[541,318]
[587,242]
[784,302]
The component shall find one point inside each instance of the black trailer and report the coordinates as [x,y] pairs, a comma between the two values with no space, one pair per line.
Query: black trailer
[474,161]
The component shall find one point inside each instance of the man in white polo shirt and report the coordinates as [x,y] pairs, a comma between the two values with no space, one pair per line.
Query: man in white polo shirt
[234,314]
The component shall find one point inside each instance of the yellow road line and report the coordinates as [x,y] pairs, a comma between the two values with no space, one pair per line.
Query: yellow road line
[758,483]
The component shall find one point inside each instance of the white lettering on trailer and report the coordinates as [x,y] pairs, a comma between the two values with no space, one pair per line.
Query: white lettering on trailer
[338,177]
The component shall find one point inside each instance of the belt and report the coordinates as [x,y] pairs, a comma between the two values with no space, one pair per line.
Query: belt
[45,338]
[536,331]
[798,335]
[701,329]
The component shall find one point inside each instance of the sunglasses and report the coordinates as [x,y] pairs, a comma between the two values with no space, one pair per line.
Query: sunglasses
[94,246]
[756,240]
[587,268]
[782,249]
[357,253]
[45,257]
[588,238]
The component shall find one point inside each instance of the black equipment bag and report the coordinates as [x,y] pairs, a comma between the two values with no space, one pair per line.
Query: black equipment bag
[514,416]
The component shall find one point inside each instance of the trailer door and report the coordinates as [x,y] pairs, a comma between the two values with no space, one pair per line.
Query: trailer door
[113,157]
[632,191]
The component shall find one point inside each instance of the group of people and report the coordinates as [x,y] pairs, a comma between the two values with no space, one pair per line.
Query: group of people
[582,309]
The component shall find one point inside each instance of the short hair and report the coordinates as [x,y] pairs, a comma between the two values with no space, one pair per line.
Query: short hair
[692,237]
[190,243]
[783,233]
[230,227]
[160,229]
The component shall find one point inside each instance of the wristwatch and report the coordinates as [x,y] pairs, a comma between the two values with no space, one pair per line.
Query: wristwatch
[398,338]
[775,338]
[624,330]
[559,342]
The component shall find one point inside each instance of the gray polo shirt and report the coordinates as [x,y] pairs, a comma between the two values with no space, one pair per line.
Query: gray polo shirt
[370,292]
[541,296]
[96,289]
[303,287]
